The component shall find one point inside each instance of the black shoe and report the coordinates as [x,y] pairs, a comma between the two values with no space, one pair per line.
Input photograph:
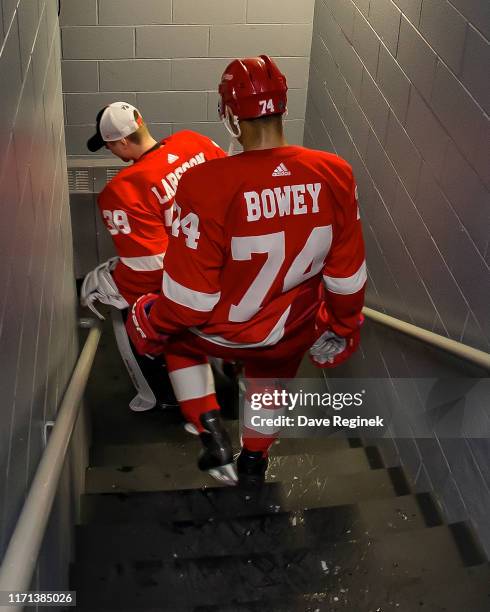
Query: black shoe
[252,466]
[217,454]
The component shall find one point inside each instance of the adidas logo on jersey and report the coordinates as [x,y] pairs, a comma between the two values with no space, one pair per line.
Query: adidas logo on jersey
[172,158]
[281,170]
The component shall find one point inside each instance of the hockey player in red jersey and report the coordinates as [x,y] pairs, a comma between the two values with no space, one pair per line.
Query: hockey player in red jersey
[136,206]
[266,261]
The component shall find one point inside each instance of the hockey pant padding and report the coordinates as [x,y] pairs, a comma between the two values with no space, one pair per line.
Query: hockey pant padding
[192,380]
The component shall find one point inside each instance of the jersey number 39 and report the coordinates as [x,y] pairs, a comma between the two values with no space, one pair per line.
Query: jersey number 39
[117,222]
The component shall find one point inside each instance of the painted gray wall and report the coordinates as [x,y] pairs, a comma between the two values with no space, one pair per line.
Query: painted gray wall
[404,97]
[401,90]
[38,327]
[167,56]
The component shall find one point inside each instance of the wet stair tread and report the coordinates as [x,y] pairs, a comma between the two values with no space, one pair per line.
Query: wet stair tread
[250,534]
[192,504]
[180,442]
[393,562]
[467,591]
[181,472]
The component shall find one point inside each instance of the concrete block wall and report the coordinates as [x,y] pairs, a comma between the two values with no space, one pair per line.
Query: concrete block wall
[38,327]
[167,56]
[400,89]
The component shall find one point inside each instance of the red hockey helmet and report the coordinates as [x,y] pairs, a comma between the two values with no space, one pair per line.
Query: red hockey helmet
[253,87]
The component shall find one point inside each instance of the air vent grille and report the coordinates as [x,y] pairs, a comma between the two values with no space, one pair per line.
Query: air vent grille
[79,181]
[91,175]
[111,173]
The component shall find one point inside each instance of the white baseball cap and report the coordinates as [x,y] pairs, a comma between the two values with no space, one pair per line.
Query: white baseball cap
[113,122]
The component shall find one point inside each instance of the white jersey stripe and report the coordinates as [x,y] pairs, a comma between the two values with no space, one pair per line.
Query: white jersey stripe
[273,338]
[349,285]
[196,300]
[148,263]
[193,382]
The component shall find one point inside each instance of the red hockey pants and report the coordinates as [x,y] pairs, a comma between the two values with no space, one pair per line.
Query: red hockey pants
[192,378]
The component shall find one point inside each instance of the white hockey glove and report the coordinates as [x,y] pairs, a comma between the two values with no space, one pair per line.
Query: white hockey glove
[99,285]
[327,347]
[330,350]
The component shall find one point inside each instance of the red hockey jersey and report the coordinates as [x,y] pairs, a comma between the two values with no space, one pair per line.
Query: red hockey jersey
[259,241]
[136,206]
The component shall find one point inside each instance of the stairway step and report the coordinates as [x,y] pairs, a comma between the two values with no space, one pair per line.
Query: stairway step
[179,471]
[468,591]
[391,562]
[308,467]
[225,502]
[313,446]
[144,429]
[250,534]
[177,440]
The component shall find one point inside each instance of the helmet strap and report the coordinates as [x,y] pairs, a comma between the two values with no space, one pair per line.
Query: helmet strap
[231,123]
[234,148]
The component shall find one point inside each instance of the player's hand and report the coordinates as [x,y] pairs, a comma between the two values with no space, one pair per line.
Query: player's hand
[146,339]
[330,350]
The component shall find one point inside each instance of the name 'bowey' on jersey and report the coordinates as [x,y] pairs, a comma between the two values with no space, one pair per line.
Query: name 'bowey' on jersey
[255,240]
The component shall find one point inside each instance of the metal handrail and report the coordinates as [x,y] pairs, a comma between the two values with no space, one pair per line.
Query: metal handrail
[468,353]
[22,553]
